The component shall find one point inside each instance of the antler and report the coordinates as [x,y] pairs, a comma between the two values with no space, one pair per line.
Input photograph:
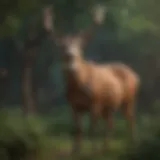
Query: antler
[99,12]
[48,24]
[47,19]
[98,16]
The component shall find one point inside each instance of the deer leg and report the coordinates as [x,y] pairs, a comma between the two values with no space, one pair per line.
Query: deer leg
[77,131]
[107,115]
[128,111]
[92,128]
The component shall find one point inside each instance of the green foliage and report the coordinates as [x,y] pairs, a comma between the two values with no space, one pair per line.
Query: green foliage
[29,136]
[131,16]
[13,13]
[149,144]
[22,136]
[147,149]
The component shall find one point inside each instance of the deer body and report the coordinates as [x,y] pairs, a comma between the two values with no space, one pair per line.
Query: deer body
[102,88]
[98,89]
[93,83]
[129,79]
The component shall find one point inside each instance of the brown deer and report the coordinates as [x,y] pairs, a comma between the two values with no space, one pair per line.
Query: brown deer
[98,89]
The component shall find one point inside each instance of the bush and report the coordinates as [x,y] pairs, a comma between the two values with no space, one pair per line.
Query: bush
[21,136]
[148,147]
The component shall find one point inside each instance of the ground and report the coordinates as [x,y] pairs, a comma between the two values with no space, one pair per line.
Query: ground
[62,140]
[51,134]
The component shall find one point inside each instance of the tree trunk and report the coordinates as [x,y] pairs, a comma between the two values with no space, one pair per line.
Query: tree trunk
[28,99]
[3,85]
[28,88]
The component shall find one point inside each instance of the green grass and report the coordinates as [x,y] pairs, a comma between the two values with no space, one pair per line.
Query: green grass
[62,148]
[62,140]
[117,145]
[54,139]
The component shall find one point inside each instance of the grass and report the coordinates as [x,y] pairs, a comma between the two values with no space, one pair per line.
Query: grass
[57,144]
[62,140]
[116,146]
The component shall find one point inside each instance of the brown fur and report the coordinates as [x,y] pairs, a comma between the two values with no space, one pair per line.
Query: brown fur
[101,89]
[128,78]
[98,89]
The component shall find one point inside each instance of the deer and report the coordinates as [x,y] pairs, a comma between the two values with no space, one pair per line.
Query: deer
[99,89]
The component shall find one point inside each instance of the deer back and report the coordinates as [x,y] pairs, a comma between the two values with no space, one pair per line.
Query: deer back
[129,79]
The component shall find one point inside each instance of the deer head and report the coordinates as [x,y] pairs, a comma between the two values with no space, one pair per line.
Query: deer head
[72,45]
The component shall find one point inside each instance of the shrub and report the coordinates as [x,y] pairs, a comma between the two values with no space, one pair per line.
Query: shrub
[21,136]
[148,147]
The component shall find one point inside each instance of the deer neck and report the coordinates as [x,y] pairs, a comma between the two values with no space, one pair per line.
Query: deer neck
[78,70]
